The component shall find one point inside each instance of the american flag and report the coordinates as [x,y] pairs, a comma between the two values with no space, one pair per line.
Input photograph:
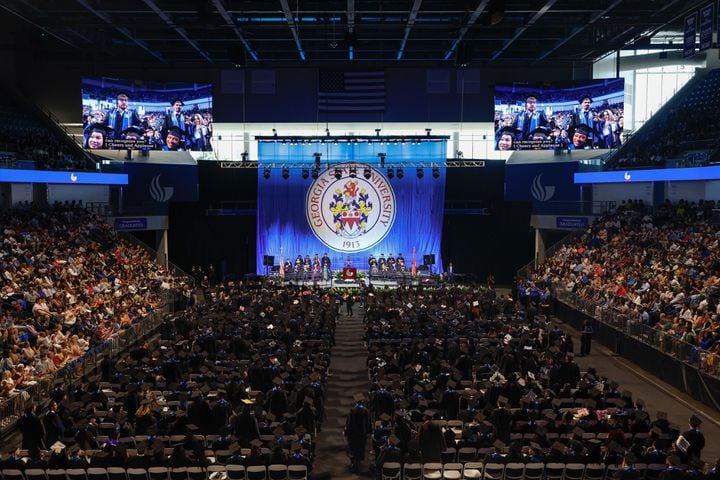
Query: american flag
[351,91]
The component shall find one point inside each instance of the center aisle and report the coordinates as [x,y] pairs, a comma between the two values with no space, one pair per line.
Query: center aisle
[348,368]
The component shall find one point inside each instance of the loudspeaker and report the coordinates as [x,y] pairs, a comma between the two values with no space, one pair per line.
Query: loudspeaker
[429,259]
[268,261]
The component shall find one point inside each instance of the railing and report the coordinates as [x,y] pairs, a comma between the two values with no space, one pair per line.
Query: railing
[692,355]
[12,408]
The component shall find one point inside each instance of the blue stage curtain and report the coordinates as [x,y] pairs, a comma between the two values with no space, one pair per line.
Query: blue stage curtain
[282,225]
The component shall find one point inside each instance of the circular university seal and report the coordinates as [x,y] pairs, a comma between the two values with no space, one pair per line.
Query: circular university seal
[350,214]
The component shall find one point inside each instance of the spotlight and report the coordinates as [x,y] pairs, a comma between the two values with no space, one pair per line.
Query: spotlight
[459,154]
[420,172]
[315,172]
[245,156]
[285,173]
[436,172]
[266,173]
[427,131]
[317,156]
[305,173]
[382,156]
[390,172]
[400,173]
[367,173]
[338,173]
[353,172]
[274,132]
[327,132]
[377,132]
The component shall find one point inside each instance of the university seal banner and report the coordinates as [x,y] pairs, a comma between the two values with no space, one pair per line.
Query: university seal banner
[352,210]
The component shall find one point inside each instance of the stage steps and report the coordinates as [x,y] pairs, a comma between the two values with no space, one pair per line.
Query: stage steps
[348,368]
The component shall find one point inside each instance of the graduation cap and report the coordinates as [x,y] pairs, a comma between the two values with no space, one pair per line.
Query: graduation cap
[641,416]
[656,431]
[585,97]
[557,446]
[512,131]
[393,439]
[359,397]
[256,443]
[98,127]
[535,446]
[540,131]
[674,460]
[133,130]
[57,447]
[175,131]
[502,400]
[662,415]
[584,129]
[176,100]
[385,417]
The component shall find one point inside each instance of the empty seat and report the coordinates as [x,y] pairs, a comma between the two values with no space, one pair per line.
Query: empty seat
[594,471]
[494,471]
[137,474]
[256,472]
[235,472]
[467,454]
[412,471]
[196,473]
[472,470]
[277,472]
[297,472]
[95,473]
[13,474]
[391,471]
[158,473]
[515,471]
[432,471]
[574,471]
[534,471]
[116,473]
[554,471]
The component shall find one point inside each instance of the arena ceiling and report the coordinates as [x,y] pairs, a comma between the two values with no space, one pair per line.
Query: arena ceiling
[292,32]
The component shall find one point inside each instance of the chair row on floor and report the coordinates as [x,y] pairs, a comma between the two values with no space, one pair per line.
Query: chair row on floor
[213,472]
[511,471]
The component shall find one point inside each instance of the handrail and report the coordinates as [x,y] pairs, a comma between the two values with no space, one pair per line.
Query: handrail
[687,353]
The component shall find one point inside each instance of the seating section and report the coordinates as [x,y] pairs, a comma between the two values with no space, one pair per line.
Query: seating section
[27,136]
[686,133]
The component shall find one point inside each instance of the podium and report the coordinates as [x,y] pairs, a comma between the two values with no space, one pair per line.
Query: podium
[349,273]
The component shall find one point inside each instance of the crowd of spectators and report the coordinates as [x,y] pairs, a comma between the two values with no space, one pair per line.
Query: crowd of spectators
[657,267]
[31,139]
[68,283]
[239,379]
[460,376]
[691,124]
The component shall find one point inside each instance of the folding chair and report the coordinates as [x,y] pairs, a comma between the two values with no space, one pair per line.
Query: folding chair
[391,471]
[297,472]
[432,471]
[514,471]
[594,471]
[448,455]
[452,471]
[412,471]
[534,471]
[217,472]
[494,471]
[77,474]
[116,473]
[473,471]
[196,473]
[56,474]
[574,471]
[158,473]
[277,472]
[554,471]
[235,472]
[178,473]
[467,454]
[14,474]
[256,472]
[95,473]
[137,474]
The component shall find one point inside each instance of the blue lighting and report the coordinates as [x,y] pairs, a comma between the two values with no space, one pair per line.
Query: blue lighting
[350,52]
[73,178]
[284,19]
[658,175]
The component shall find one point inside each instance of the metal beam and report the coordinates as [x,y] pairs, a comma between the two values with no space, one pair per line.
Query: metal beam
[229,21]
[577,30]
[521,30]
[106,18]
[41,28]
[180,31]
[293,27]
[471,21]
[408,27]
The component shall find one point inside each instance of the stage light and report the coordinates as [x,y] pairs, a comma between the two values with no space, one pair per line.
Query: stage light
[400,173]
[266,173]
[353,172]
[245,156]
[382,156]
[420,172]
[274,132]
[338,173]
[317,156]
[315,172]
[427,131]
[390,172]
[436,172]
[367,173]
[305,173]
[377,132]
[285,173]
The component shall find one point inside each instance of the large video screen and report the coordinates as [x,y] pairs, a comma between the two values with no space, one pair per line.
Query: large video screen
[119,114]
[573,116]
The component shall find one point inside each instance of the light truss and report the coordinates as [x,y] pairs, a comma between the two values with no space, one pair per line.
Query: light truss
[449,163]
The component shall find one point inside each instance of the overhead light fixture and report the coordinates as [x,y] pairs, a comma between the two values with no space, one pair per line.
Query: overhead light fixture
[266,173]
[315,172]
[317,156]
[274,132]
[377,132]
[353,172]
[420,172]
[244,156]
[382,156]
[338,173]
[305,173]
[285,173]
[400,173]
[436,172]
[427,131]
[390,172]
[367,173]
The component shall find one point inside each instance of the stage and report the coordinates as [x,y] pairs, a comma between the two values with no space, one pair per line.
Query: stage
[387,281]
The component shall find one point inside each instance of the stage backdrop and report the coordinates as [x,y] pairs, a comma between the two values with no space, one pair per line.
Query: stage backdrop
[351,217]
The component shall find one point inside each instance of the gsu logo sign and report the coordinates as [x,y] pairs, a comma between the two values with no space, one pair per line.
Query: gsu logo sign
[158,192]
[540,192]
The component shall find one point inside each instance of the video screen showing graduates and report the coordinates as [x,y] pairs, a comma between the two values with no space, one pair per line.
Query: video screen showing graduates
[572,116]
[119,114]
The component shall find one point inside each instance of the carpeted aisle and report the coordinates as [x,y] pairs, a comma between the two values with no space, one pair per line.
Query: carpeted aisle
[348,369]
